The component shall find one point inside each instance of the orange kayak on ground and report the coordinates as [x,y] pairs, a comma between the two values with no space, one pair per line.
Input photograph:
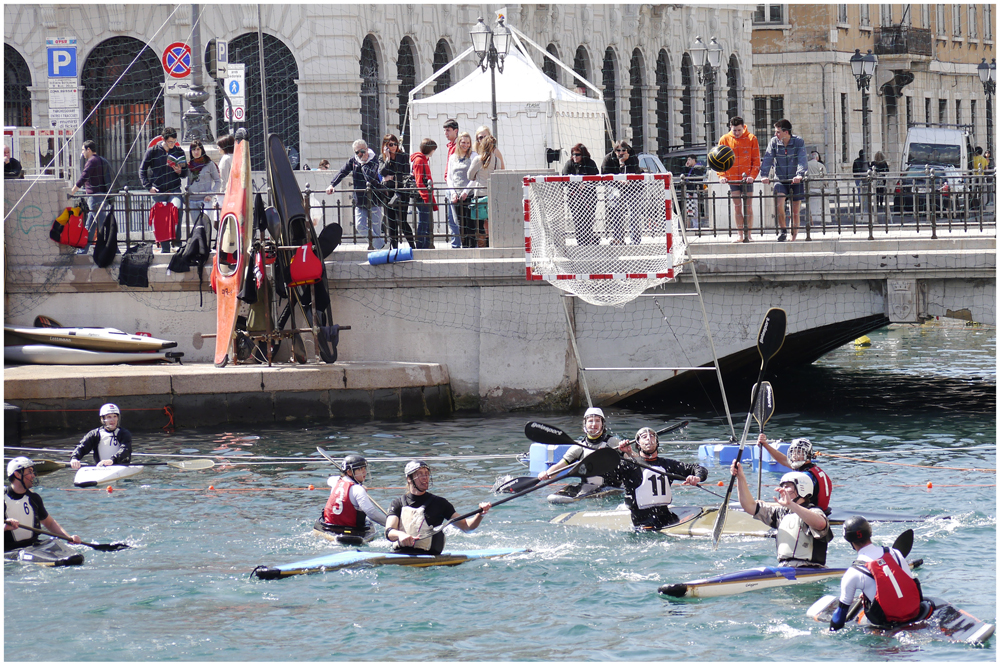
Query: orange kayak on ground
[233,252]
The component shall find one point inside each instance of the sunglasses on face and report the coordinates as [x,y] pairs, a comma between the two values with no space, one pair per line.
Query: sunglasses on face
[391,144]
[480,137]
[620,150]
[360,152]
[577,155]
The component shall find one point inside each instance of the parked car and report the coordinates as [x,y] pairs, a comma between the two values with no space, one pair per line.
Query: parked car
[675,160]
[650,163]
[917,189]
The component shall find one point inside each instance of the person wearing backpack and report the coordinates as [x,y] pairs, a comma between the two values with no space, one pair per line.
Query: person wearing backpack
[96,179]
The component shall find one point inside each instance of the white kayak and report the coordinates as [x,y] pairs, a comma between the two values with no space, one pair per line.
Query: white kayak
[51,553]
[53,355]
[95,339]
[87,477]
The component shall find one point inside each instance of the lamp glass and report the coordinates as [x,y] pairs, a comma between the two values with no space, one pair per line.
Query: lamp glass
[856,61]
[698,53]
[501,39]
[714,54]
[480,38]
[870,62]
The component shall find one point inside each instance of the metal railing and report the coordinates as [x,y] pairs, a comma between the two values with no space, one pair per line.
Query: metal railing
[903,40]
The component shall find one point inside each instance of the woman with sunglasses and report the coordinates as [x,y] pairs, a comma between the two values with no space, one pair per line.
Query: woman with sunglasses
[363,168]
[458,181]
[394,166]
[487,160]
[582,199]
[622,159]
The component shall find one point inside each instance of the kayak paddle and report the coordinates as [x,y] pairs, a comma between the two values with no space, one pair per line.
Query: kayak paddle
[598,463]
[770,337]
[762,413]
[106,547]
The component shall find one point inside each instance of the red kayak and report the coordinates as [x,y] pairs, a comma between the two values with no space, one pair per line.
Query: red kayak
[233,252]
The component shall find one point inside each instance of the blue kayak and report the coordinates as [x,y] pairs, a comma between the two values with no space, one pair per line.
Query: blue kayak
[358,558]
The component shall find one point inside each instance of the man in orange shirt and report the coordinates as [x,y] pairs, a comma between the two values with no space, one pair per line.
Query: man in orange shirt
[742,174]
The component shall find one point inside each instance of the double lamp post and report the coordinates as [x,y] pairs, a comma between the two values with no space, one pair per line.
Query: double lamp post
[700,54]
[988,77]
[491,47]
[863,67]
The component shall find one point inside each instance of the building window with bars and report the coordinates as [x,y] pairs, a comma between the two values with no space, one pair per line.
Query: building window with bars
[406,71]
[972,114]
[371,122]
[973,23]
[940,20]
[767,110]
[956,21]
[609,79]
[769,14]
[442,56]
[866,21]
[733,88]
[909,111]
[927,111]
[925,16]
[636,99]
[687,111]
[885,15]
[662,104]
[581,65]
[958,112]
[549,65]
[845,135]
[942,111]
[842,14]
[16,82]
[987,22]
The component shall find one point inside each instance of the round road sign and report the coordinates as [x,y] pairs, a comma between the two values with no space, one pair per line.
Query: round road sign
[177,60]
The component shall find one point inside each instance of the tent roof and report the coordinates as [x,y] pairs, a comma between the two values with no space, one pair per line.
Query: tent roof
[521,81]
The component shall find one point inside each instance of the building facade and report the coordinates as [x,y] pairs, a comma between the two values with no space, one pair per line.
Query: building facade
[927,72]
[337,72]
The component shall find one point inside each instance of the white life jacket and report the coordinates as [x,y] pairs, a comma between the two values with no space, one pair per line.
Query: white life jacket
[21,511]
[109,446]
[795,540]
[654,491]
[415,524]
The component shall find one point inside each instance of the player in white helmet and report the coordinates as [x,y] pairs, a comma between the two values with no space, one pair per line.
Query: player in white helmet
[799,458]
[22,506]
[595,436]
[110,444]
[802,528]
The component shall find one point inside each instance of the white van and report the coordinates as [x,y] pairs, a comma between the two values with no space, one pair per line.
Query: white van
[938,145]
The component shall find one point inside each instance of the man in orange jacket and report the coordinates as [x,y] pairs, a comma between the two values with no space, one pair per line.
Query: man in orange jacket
[742,174]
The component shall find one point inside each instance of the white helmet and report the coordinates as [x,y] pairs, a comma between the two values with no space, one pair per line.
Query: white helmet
[413,466]
[110,408]
[18,463]
[800,451]
[594,411]
[803,483]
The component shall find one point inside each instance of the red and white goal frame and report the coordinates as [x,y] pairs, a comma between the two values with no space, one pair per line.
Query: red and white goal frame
[604,238]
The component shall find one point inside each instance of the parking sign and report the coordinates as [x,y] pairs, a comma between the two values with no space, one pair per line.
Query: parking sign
[61,57]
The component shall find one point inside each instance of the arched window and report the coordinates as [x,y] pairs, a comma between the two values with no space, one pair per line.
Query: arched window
[733,84]
[549,65]
[16,81]
[280,73]
[636,80]
[581,65]
[442,56]
[371,121]
[132,113]
[687,120]
[662,104]
[609,79]
[406,70]
[711,119]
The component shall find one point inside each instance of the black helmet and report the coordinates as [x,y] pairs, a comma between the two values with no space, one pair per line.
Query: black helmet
[353,462]
[857,530]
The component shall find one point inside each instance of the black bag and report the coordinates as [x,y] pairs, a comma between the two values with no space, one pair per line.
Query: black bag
[405,193]
[330,238]
[134,270]
[195,253]
[106,242]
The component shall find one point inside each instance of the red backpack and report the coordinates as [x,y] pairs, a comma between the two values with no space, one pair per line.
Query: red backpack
[305,268]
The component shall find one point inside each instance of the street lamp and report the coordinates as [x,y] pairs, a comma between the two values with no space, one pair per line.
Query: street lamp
[491,47]
[988,77]
[863,67]
[197,119]
[713,55]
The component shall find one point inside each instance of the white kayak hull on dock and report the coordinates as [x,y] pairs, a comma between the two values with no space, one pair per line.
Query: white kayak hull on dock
[87,477]
[94,339]
[53,355]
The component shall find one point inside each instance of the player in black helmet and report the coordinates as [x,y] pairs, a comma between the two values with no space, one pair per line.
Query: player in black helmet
[349,506]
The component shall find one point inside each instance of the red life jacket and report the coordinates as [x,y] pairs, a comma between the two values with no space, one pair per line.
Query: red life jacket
[339,510]
[305,267]
[823,484]
[896,592]
[163,219]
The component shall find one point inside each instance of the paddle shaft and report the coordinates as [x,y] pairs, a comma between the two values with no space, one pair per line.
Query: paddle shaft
[98,546]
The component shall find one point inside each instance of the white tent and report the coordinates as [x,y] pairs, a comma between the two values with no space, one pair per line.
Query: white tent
[533,113]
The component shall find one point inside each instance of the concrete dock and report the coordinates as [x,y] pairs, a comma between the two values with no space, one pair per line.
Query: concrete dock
[52,398]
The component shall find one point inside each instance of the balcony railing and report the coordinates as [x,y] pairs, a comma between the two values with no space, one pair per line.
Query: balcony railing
[903,40]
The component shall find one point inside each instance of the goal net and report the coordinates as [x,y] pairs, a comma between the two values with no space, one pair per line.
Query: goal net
[606,238]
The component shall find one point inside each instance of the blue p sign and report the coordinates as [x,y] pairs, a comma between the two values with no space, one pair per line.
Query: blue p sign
[62,61]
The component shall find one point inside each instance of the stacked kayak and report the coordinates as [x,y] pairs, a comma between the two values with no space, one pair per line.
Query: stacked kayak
[82,346]
[87,477]
[51,553]
[358,559]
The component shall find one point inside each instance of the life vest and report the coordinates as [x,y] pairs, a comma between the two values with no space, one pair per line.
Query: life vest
[339,509]
[69,229]
[163,219]
[654,491]
[305,268]
[796,542]
[823,484]
[23,512]
[896,592]
[414,523]
[108,446]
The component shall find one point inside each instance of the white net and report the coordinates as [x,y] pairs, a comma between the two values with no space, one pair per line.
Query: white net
[605,239]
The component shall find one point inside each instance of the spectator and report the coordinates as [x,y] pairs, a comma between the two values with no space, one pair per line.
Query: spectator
[393,167]
[203,179]
[454,227]
[226,145]
[741,175]
[694,176]
[817,187]
[324,164]
[622,159]
[11,167]
[860,170]
[787,153]
[487,160]
[582,200]
[162,176]
[881,166]
[420,167]
[96,179]
[458,181]
[363,168]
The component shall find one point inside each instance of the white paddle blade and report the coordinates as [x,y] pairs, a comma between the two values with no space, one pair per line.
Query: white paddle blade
[821,605]
[193,465]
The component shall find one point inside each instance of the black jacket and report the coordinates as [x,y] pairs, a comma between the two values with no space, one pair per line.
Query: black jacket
[611,164]
[362,176]
[154,171]
[586,167]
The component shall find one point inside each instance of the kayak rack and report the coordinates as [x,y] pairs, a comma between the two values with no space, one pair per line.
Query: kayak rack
[275,336]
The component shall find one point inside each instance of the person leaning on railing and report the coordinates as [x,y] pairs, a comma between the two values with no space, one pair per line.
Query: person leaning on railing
[817,187]
[363,168]
[393,168]
[421,169]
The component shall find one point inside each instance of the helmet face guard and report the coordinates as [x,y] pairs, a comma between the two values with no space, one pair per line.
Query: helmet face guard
[799,452]
[649,433]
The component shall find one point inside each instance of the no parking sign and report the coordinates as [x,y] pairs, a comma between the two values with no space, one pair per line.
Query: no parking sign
[177,60]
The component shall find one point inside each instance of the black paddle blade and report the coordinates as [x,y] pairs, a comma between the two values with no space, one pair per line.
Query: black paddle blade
[514,484]
[109,547]
[771,335]
[546,434]
[763,409]
[904,543]
[598,463]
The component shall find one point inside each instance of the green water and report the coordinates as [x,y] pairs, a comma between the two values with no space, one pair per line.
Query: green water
[922,399]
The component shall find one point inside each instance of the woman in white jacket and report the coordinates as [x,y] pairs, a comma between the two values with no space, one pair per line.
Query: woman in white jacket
[458,181]
[487,160]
